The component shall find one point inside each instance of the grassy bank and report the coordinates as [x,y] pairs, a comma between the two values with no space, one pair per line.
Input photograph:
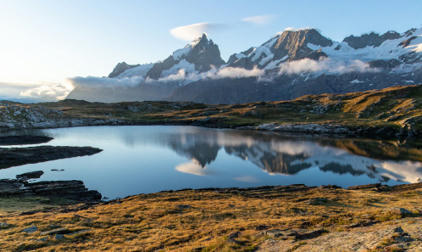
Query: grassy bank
[270,218]
[387,113]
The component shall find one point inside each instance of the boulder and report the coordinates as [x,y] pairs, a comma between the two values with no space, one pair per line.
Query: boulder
[29,175]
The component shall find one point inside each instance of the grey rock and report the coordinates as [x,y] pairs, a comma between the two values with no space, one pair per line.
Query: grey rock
[29,175]
[57,170]
[72,189]
[30,230]
[4,225]
[405,212]
[59,237]
[371,39]
[318,201]
[57,231]
[29,155]
[398,230]
[274,233]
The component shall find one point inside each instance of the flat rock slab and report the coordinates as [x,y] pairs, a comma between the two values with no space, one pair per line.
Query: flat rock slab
[20,156]
[17,140]
[70,189]
[29,175]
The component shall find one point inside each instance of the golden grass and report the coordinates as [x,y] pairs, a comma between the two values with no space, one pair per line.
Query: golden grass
[194,220]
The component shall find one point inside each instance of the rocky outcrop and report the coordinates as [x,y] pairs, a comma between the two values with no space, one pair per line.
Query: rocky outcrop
[371,39]
[20,156]
[24,116]
[72,189]
[29,175]
[25,139]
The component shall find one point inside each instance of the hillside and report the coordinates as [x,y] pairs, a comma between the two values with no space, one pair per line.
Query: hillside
[394,112]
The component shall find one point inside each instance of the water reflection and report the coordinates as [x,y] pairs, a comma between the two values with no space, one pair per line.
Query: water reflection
[142,159]
[278,154]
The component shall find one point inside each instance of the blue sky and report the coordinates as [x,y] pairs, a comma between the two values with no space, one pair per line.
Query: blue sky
[51,40]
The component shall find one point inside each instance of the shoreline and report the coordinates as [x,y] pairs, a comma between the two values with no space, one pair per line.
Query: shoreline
[393,113]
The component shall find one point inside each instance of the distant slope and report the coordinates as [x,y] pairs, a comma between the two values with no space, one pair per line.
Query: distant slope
[394,112]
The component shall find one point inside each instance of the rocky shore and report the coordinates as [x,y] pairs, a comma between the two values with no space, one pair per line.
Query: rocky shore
[30,155]
[24,139]
[70,190]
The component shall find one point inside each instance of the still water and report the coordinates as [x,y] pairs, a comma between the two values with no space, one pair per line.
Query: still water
[144,159]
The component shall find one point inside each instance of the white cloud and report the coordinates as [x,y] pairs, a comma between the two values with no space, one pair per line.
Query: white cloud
[325,65]
[260,20]
[193,167]
[193,31]
[233,73]
[92,81]
[48,92]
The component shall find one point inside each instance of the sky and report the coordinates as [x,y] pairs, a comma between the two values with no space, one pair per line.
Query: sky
[48,41]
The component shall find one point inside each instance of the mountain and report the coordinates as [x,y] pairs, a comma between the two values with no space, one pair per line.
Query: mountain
[291,64]
[120,68]
[199,56]
[287,46]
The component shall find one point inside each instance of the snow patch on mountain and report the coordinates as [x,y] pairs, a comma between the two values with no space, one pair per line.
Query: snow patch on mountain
[139,71]
[292,29]
[183,64]
[178,54]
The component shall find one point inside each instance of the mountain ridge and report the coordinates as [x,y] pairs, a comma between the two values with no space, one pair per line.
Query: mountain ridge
[290,64]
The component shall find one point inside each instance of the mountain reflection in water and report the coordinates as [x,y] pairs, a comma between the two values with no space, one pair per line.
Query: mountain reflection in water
[144,159]
[281,154]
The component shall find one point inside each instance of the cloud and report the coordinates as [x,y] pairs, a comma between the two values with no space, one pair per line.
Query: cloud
[233,73]
[48,92]
[326,65]
[193,31]
[214,74]
[92,81]
[193,167]
[34,92]
[259,20]
[247,179]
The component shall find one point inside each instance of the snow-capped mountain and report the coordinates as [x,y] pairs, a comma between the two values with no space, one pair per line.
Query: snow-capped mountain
[289,45]
[197,57]
[390,50]
[291,64]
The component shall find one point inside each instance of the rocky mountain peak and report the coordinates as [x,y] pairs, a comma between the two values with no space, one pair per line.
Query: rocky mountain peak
[370,39]
[120,68]
[294,44]
[200,55]
[201,41]
[288,45]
